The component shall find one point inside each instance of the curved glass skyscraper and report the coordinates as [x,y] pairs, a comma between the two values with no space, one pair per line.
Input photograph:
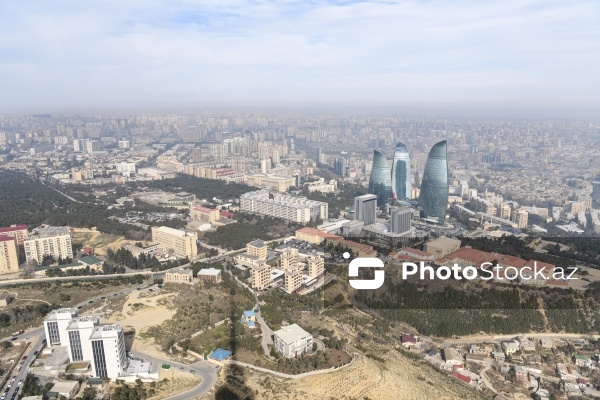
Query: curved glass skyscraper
[433,200]
[380,182]
[401,173]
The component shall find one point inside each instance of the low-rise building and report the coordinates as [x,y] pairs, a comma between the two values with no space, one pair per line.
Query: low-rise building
[292,341]
[179,275]
[209,275]
[442,246]
[313,235]
[452,356]
[66,389]
[582,360]
[510,347]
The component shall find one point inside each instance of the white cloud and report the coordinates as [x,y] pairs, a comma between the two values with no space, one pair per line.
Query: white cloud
[136,53]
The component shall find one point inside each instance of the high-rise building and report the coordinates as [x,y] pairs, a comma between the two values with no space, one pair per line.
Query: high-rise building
[265,165]
[433,200]
[55,326]
[109,359]
[261,275]
[401,173]
[9,255]
[340,166]
[316,266]
[20,232]
[284,206]
[288,258]
[522,219]
[78,331]
[401,219]
[365,208]
[293,278]
[182,243]
[380,181]
[55,242]
[257,248]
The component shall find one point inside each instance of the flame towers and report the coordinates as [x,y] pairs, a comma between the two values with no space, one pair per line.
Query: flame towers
[395,184]
[380,182]
[401,173]
[433,200]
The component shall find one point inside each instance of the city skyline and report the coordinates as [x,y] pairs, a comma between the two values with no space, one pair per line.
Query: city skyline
[415,54]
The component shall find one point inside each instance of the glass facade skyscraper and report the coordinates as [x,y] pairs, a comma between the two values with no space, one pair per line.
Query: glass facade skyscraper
[401,173]
[433,200]
[380,181]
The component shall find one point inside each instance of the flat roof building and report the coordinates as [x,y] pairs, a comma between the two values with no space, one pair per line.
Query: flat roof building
[292,341]
[55,242]
[9,254]
[108,348]
[282,205]
[209,274]
[181,242]
[179,275]
[55,325]
[442,246]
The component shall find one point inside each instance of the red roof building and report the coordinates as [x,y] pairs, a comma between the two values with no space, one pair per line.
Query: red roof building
[463,378]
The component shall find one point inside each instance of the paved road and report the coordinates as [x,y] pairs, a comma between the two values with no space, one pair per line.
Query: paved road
[203,369]
[267,334]
[72,278]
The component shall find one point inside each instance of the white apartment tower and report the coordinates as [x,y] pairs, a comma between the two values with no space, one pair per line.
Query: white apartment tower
[108,351]
[55,326]
[87,340]
[48,242]
[78,331]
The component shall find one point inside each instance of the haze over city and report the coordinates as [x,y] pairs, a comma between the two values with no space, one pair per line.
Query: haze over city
[65,56]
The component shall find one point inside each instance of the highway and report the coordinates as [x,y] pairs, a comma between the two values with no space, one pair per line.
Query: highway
[72,278]
[36,337]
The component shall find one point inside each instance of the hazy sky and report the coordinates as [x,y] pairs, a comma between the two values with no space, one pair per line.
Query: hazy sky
[61,54]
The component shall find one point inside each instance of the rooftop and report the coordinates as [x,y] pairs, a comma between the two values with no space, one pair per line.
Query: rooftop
[209,271]
[105,331]
[13,228]
[220,354]
[313,231]
[90,260]
[291,333]
[62,314]
[5,238]
[83,322]
[257,243]
[172,231]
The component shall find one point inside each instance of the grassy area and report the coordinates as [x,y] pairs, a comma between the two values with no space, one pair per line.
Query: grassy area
[211,339]
[33,302]
[199,308]
[93,239]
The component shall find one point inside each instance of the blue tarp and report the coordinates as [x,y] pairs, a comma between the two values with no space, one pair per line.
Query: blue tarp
[220,354]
